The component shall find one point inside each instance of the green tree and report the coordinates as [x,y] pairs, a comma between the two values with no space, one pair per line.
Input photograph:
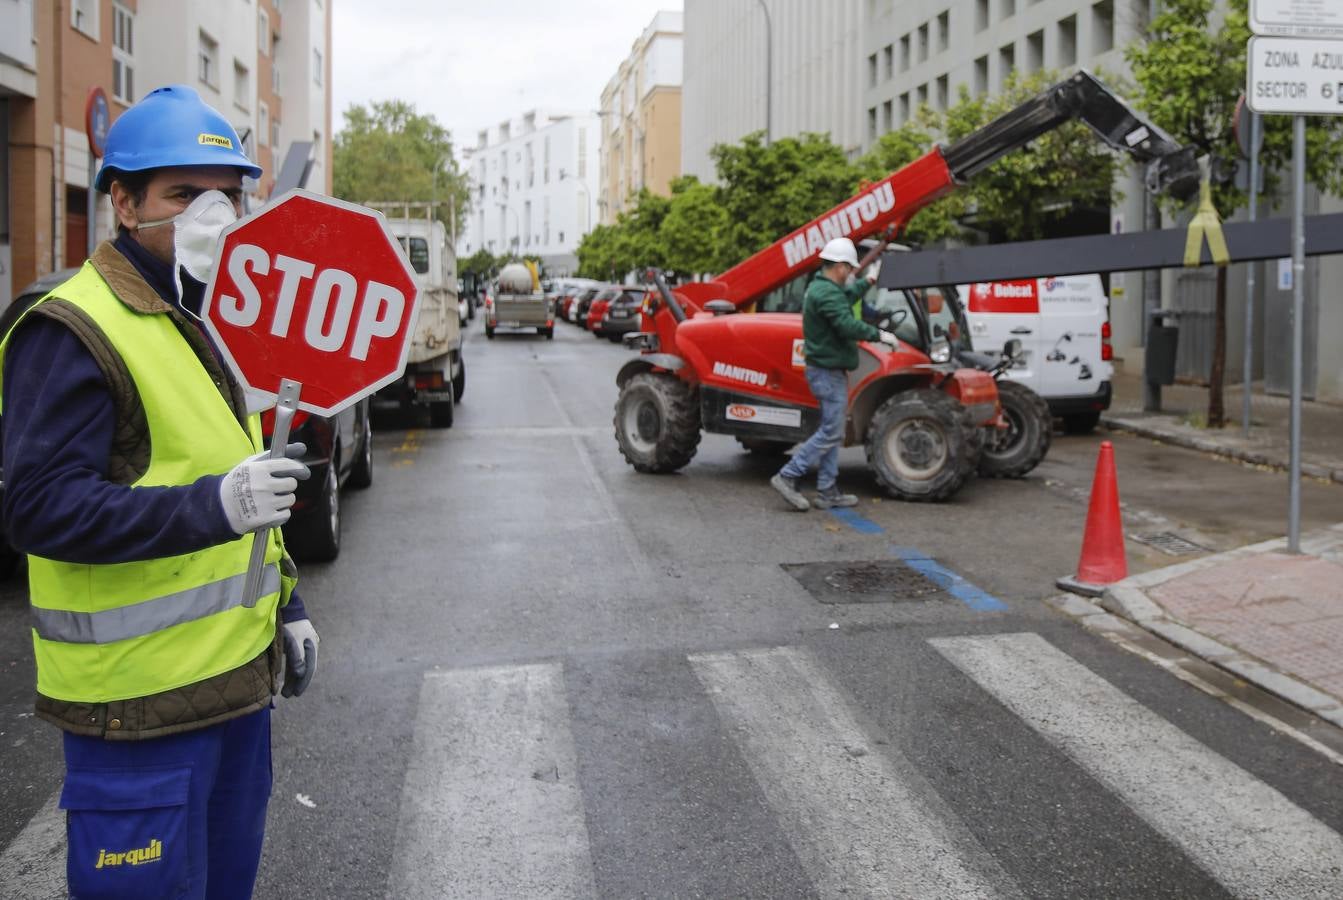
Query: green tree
[388,151]
[482,262]
[768,190]
[691,233]
[1190,72]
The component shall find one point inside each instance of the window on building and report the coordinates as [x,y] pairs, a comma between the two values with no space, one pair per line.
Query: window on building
[545,220]
[317,145]
[84,17]
[263,32]
[545,164]
[981,14]
[209,61]
[904,107]
[582,153]
[1035,51]
[531,166]
[872,71]
[943,93]
[905,56]
[923,42]
[1009,9]
[262,123]
[242,86]
[527,220]
[872,123]
[123,53]
[888,62]
[1102,27]
[1007,61]
[275,78]
[316,67]
[1068,41]
[886,116]
[944,31]
[981,76]
[922,95]
[275,134]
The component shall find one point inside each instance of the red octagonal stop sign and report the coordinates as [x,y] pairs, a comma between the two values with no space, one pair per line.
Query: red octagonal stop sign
[317,291]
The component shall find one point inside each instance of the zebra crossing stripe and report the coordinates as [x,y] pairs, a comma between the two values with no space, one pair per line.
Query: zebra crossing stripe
[861,820]
[1243,832]
[491,805]
[33,865]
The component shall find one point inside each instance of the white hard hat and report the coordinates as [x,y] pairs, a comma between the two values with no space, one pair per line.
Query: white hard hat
[840,250]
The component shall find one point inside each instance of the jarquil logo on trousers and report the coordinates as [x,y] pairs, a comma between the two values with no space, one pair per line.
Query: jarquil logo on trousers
[152,853]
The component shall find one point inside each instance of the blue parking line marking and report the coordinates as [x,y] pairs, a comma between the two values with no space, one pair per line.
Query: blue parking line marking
[857,522]
[958,587]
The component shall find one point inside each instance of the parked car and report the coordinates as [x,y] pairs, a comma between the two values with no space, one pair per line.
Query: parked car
[576,306]
[584,315]
[597,309]
[622,316]
[340,454]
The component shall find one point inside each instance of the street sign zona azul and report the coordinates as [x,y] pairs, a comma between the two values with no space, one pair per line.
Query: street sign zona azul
[313,290]
[1295,76]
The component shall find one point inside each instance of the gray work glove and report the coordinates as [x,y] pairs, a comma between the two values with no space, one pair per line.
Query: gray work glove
[300,656]
[258,491]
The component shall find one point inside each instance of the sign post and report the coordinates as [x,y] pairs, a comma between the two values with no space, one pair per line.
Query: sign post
[1299,74]
[97,119]
[312,302]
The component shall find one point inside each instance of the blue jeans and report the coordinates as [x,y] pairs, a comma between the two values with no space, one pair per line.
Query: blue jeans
[821,450]
[177,816]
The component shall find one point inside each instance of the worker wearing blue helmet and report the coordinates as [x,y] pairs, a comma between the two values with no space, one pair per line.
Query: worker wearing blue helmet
[138,506]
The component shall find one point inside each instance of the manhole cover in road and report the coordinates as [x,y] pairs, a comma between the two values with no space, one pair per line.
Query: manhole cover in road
[883,581]
[1170,543]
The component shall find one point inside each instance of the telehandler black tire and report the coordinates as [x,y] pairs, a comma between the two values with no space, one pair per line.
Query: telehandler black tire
[918,445]
[1014,452]
[657,422]
[764,447]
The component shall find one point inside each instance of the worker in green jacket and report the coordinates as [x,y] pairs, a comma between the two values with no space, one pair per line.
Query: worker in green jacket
[831,333]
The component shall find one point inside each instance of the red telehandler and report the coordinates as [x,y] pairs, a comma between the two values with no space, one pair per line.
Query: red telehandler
[923,419]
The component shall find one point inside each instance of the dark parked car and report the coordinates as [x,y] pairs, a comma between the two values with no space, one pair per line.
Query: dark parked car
[622,316]
[339,453]
[580,308]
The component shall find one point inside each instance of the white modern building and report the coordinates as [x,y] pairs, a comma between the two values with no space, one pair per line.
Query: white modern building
[265,65]
[534,183]
[812,51]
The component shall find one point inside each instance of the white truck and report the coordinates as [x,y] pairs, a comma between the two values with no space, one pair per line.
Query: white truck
[435,375]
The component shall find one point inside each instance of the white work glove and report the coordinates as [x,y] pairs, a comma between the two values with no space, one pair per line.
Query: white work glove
[871,277]
[889,339]
[258,492]
[300,656]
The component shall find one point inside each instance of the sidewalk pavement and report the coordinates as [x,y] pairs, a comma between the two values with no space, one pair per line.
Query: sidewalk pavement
[1185,407]
[1271,618]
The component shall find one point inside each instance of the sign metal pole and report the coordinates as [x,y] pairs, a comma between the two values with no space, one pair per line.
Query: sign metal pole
[285,408]
[1247,377]
[1298,312]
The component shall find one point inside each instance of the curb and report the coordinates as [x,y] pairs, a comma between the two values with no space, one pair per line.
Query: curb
[1207,445]
[1128,599]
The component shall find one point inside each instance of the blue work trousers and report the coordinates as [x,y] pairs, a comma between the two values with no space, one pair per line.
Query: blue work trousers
[821,451]
[177,816]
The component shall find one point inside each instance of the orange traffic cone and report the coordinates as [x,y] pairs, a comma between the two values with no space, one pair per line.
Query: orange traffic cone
[1103,560]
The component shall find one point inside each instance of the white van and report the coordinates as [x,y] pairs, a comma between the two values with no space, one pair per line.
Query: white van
[1063,325]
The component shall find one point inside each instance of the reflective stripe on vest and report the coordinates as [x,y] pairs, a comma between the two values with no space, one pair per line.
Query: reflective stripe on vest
[141,619]
[119,631]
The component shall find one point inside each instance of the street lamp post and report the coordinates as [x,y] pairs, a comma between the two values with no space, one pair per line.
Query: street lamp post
[769,73]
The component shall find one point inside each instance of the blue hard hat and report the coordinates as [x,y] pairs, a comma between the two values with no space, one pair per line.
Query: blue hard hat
[171,126]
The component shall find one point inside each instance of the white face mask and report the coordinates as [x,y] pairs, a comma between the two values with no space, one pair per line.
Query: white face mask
[196,231]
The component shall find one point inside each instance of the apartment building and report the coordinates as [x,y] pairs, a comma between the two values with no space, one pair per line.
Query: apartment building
[812,52]
[641,118]
[531,188]
[53,53]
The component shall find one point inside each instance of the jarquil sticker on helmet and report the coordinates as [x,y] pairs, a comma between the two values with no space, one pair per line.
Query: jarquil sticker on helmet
[218,140]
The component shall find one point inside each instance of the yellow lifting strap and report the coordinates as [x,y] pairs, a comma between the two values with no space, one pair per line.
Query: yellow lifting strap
[1206,223]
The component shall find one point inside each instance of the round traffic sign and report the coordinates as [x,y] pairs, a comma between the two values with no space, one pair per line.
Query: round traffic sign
[97,119]
[314,290]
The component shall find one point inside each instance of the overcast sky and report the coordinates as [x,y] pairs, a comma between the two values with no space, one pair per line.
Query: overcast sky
[474,63]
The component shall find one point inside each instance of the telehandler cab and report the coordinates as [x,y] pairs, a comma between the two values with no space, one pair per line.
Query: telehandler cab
[922,417]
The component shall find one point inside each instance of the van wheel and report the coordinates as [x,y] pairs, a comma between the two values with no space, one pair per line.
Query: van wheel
[1081,423]
[1014,451]
[657,422]
[459,382]
[917,445]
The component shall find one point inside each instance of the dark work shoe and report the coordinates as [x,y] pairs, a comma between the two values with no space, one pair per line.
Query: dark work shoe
[833,499]
[787,488]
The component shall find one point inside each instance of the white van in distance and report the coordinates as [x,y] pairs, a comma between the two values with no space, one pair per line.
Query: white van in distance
[1063,325]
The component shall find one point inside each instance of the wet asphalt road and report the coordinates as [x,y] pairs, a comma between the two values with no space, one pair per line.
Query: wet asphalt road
[544,674]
